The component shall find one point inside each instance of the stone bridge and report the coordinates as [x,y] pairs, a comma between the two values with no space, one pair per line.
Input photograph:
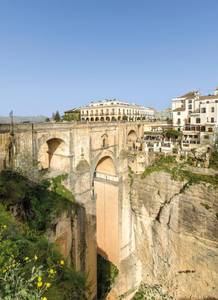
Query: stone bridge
[95,157]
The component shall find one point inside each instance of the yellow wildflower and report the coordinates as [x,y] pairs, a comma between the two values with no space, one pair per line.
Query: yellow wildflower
[51,271]
[26,258]
[48,284]
[4,226]
[62,262]
[44,298]
[39,284]
[39,278]
[35,257]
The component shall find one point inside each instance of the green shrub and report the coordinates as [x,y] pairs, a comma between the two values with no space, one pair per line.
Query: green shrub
[149,292]
[36,203]
[107,273]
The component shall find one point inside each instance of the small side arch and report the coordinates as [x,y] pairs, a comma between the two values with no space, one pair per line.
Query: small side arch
[53,155]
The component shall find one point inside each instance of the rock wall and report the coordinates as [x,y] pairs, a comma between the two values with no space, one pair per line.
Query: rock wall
[176,238]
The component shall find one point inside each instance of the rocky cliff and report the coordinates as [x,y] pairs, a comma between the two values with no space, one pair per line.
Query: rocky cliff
[176,237]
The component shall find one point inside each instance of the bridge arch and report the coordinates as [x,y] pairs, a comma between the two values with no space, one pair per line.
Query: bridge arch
[106,191]
[53,153]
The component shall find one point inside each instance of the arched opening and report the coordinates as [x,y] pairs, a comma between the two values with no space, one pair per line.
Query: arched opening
[108,119]
[92,119]
[131,140]
[97,119]
[102,119]
[106,193]
[119,118]
[113,119]
[53,155]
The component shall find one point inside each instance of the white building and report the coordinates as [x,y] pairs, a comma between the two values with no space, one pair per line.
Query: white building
[196,116]
[114,110]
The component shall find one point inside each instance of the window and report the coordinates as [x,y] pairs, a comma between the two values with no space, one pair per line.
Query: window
[178,113]
[212,109]
[178,121]
[198,120]
[203,110]
[189,101]
[190,106]
[212,120]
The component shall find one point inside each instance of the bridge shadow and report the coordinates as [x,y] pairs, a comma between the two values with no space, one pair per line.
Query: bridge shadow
[106,275]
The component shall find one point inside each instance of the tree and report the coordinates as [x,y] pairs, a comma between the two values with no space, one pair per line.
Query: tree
[56,116]
[72,117]
[172,134]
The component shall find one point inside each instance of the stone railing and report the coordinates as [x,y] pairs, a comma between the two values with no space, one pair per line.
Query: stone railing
[106,176]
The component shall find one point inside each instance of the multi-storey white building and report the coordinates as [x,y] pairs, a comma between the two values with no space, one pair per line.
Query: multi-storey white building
[114,110]
[196,116]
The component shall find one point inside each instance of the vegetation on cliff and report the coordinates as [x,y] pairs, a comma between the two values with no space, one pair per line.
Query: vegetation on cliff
[107,273]
[178,171]
[31,268]
[151,293]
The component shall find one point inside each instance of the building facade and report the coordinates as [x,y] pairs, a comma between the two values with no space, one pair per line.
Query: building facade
[114,110]
[196,116]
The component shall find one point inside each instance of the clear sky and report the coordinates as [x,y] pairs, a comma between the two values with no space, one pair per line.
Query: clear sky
[58,54]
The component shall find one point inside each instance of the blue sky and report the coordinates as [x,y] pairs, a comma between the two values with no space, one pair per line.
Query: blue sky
[58,54]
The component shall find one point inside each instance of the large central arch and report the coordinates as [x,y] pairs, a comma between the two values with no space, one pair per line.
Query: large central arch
[106,192]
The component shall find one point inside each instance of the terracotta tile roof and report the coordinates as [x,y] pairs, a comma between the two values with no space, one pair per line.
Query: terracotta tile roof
[72,110]
[189,94]
[209,97]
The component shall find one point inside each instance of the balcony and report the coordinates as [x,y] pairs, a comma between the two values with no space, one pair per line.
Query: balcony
[192,128]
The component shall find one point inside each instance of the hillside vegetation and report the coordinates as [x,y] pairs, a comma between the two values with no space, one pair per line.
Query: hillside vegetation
[31,268]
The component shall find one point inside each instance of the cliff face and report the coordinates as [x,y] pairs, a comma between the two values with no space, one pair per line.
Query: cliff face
[176,235]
